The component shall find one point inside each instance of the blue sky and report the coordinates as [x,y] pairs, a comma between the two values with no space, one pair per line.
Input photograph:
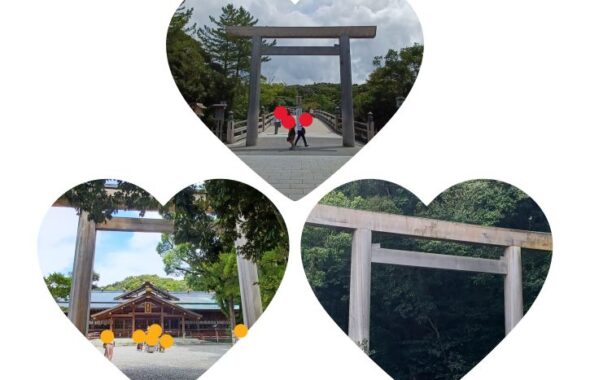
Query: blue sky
[118,254]
[397,27]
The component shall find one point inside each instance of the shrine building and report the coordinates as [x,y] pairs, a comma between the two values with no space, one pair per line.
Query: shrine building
[181,314]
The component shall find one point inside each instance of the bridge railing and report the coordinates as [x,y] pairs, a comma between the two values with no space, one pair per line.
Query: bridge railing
[236,130]
[363,132]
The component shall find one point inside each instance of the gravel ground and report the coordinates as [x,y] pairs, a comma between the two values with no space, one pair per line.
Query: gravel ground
[178,362]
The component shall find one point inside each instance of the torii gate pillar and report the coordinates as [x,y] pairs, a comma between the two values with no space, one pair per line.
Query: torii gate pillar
[249,287]
[254,98]
[346,92]
[79,305]
[342,33]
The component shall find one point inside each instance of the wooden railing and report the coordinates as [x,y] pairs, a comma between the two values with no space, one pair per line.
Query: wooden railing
[236,130]
[363,132]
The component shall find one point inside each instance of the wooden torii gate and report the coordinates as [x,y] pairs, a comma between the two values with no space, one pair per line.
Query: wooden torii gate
[79,303]
[342,33]
[363,253]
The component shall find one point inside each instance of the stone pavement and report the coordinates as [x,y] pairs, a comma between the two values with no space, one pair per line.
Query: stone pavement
[296,172]
[177,362]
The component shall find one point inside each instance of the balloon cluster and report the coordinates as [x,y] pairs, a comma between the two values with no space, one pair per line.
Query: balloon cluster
[153,337]
[288,121]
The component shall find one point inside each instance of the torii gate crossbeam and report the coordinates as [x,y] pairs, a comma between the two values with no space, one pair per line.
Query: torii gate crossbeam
[364,253]
[342,33]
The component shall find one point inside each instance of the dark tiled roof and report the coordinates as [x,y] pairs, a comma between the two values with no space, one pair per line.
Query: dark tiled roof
[194,301]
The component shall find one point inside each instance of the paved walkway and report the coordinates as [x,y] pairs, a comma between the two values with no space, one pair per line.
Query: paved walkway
[296,172]
[178,362]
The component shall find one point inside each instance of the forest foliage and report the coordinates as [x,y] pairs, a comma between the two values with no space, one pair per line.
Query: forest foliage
[427,324]
[134,282]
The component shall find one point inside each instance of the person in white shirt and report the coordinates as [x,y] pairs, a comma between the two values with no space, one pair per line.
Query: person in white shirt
[277,124]
[299,128]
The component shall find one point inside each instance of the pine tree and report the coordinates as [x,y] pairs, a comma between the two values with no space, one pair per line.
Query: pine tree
[230,53]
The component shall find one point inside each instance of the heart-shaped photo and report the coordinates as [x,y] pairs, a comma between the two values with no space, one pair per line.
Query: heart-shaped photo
[295,90]
[163,291]
[427,291]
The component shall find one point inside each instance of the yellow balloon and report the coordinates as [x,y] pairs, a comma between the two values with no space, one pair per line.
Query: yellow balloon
[151,340]
[155,329]
[138,336]
[241,330]
[107,336]
[166,341]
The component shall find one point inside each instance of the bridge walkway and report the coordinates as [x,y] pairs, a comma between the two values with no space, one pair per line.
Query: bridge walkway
[296,172]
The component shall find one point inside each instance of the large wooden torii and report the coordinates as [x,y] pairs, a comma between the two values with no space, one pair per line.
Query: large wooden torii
[364,252]
[342,33]
[79,302]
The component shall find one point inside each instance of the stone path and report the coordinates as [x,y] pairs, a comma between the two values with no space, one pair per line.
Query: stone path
[178,362]
[296,172]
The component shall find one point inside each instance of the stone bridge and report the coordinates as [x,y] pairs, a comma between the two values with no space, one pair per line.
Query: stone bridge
[298,171]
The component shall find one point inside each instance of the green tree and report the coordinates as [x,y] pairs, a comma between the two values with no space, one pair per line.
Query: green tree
[221,277]
[197,77]
[59,285]
[243,211]
[394,76]
[231,54]
[134,282]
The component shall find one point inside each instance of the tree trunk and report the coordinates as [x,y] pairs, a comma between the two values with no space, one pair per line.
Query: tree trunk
[232,316]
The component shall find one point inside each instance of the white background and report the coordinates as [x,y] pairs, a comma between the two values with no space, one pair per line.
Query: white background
[86,93]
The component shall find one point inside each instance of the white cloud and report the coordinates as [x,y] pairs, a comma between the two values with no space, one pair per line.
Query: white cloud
[136,256]
[116,257]
[57,240]
[397,27]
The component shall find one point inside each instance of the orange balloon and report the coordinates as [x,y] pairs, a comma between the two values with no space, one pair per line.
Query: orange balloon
[155,329]
[107,336]
[166,341]
[138,336]
[151,340]
[241,330]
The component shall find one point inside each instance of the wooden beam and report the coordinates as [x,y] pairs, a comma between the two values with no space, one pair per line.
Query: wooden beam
[254,98]
[79,306]
[359,309]
[302,32]
[137,225]
[301,50]
[437,261]
[513,299]
[323,215]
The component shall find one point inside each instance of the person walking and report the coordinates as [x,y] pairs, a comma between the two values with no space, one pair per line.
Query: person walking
[277,123]
[299,128]
[291,134]
[109,349]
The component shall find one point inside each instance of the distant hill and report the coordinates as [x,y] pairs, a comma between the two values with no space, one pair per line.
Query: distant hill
[133,282]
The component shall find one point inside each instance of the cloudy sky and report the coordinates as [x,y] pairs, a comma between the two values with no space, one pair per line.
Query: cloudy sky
[397,27]
[118,254]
